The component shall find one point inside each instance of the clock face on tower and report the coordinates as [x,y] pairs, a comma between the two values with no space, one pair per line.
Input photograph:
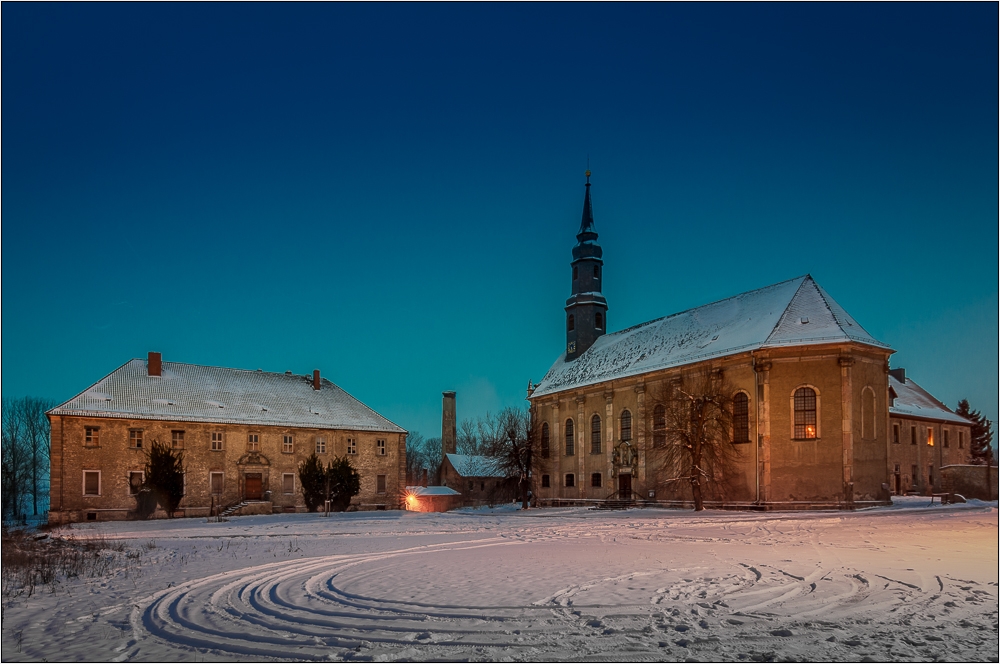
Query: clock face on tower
[571,347]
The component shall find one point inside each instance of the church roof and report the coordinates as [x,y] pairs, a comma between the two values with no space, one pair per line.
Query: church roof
[467,465]
[914,401]
[195,393]
[797,312]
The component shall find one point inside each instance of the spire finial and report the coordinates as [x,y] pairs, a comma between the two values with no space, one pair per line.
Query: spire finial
[587,223]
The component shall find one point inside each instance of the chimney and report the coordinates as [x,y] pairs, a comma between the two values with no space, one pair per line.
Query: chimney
[449,427]
[154,364]
[898,374]
[316,379]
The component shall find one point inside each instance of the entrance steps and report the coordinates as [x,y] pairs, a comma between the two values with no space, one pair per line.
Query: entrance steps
[232,509]
[615,504]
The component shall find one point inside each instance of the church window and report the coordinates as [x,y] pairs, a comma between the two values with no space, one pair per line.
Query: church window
[287,445]
[659,425]
[570,323]
[253,442]
[626,425]
[805,413]
[545,440]
[868,413]
[91,482]
[595,434]
[599,320]
[595,480]
[570,479]
[569,438]
[545,482]
[741,418]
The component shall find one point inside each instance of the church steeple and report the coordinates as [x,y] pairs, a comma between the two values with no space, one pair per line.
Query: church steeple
[586,309]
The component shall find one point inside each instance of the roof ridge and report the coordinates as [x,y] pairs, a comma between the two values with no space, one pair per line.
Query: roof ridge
[788,306]
[931,396]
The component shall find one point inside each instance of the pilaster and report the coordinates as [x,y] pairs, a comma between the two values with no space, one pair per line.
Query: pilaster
[580,451]
[847,425]
[640,428]
[764,438]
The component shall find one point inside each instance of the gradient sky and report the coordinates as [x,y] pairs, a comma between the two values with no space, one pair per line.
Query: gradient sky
[390,193]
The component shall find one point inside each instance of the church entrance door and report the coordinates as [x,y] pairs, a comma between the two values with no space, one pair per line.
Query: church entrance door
[254,487]
[625,486]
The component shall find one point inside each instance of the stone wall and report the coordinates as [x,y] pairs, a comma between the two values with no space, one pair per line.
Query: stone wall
[114,458]
[912,448]
[970,481]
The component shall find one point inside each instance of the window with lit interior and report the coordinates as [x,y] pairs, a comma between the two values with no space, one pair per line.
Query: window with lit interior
[805,413]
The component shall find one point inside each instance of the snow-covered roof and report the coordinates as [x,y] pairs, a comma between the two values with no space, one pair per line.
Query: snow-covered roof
[914,401]
[467,465]
[195,393]
[797,312]
[432,491]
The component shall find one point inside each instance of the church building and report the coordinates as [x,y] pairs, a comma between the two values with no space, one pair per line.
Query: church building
[810,401]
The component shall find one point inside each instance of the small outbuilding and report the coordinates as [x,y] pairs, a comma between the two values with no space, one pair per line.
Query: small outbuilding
[431,499]
[479,478]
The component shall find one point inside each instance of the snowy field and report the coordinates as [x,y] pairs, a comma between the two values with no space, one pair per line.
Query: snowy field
[907,583]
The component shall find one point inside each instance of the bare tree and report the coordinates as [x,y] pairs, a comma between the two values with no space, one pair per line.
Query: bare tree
[36,433]
[422,454]
[15,460]
[25,452]
[506,439]
[692,433]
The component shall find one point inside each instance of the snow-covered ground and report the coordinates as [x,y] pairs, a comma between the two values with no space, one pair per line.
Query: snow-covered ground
[905,583]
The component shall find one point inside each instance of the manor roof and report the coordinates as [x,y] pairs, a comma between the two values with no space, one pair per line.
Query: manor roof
[469,465]
[195,393]
[914,401]
[797,312]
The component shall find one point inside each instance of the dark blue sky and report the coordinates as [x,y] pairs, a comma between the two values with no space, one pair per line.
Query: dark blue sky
[390,193]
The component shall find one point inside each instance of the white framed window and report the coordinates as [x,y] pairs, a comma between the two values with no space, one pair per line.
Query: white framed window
[380,484]
[216,483]
[177,440]
[352,446]
[287,444]
[288,483]
[135,480]
[217,441]
[380,447]
[135,439]
[253,442]
[92,436]
[320,445]
[91,482]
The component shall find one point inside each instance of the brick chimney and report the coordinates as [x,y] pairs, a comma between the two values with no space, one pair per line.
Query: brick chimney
[898,374]
[154,364]
[316,382]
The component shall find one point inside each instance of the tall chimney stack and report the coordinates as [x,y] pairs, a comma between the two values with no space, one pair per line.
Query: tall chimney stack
[154,364]
[449,427]
[316,382]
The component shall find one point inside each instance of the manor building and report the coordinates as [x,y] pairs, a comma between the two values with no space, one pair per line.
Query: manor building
[810,397]
[242,433]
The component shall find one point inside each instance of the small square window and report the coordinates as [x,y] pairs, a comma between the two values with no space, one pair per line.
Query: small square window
[570,479]
[177,440]
[288,483]
[545,482]
[217,441]
[135,439]
[216,482]
[352,446]
[253,442]
[91,482]
[135,479]
[380,446]
[595,479]
[380,484]
[287,444]
[320,445]
[92,436]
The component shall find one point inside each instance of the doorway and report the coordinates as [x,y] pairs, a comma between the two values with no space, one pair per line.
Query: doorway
[253,486]
[625,486]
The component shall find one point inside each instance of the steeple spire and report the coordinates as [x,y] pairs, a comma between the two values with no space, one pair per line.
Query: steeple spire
[587,223]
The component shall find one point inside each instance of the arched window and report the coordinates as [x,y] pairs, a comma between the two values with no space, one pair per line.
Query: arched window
[868,413]
[626,425]
[805,413]
[595,434]
[599,320]
[570,323]
[545,440]
[659,425]
[741,418]
[570,450]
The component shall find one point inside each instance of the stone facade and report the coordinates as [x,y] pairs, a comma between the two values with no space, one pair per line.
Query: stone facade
[476,486]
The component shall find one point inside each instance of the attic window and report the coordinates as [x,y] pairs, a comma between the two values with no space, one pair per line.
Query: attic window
[804,320]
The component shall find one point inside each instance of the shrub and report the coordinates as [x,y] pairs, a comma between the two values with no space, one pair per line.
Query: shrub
[345,483]
[312,481]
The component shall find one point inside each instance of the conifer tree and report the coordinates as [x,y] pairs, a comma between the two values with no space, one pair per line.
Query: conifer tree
[312,481]
[343,483]
[164,477]
[980,445]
